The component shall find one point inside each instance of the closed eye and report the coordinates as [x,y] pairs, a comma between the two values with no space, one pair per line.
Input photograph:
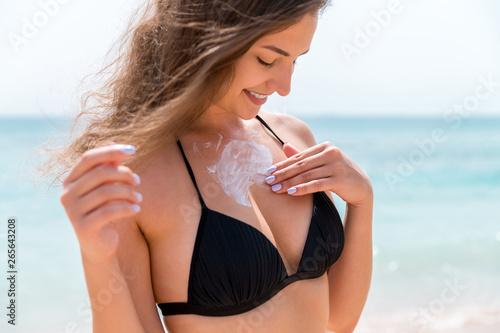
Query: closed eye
[266,64]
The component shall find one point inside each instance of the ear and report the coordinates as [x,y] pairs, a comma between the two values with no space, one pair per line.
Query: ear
[290,150]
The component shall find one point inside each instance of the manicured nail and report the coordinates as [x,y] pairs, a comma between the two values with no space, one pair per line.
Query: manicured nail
[292,190]
[270,179]
[136,208]
[276,187]
[128,149]
[139,196]
[137,178]
[271,170]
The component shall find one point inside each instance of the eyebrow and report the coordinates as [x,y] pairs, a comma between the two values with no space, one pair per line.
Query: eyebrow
[279,51]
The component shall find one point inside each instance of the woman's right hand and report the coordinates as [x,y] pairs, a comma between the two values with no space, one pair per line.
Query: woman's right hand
[96,191]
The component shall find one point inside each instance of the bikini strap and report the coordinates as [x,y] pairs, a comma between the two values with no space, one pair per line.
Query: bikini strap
[191,174]
[269,128]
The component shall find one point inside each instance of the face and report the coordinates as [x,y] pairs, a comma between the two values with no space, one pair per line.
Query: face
[267,67]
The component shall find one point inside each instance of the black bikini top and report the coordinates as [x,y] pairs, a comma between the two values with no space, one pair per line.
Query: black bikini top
[235,267]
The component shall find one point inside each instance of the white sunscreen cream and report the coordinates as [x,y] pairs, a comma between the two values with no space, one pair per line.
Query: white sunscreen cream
[242,164]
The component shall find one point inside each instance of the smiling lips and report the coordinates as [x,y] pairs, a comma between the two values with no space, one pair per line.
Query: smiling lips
[257,99]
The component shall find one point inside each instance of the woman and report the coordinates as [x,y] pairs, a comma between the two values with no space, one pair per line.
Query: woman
[204,212]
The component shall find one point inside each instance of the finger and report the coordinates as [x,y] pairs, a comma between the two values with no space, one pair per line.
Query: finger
[297,157]
[95,220]
[111,143]
[302,178]
[96,156]
[303,168]
[313,186]
[290,150]
[107,194]
[101,175]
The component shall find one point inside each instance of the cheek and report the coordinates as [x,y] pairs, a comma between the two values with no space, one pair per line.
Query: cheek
[248,74]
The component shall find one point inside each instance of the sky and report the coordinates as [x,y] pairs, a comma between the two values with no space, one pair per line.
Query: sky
[368,58]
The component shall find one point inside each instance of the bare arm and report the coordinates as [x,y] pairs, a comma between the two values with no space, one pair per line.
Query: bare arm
[134,261]
[111,302]
[349,278]
[120,289]
[96,191]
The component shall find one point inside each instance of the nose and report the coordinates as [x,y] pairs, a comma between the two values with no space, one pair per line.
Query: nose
[281,80]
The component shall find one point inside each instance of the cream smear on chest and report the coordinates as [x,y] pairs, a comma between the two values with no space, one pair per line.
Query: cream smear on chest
[242,164]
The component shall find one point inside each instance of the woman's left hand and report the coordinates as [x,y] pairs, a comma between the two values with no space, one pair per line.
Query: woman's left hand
[322,167]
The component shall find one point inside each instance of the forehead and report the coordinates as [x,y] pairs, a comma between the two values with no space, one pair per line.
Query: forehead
[298,35]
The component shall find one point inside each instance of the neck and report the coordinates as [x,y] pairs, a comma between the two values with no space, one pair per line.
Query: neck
[216,120]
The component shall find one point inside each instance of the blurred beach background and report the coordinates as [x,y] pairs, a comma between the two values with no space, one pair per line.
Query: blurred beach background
[436,226]
[415,103]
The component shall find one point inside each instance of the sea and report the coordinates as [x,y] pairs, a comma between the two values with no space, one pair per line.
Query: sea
[436,226]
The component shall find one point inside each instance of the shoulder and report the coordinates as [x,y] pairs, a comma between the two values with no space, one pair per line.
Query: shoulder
[290,129]
[159,177]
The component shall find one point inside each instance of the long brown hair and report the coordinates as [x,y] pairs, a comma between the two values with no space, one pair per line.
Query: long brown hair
[171,65]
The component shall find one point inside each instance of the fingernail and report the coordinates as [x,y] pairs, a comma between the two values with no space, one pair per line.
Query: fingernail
[270,179]
[276,187]
[136,208]
[128,149]
[271,170]
[292,190]
[139,196]
[137,178]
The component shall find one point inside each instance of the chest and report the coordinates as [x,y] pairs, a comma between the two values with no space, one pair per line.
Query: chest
[278,222]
